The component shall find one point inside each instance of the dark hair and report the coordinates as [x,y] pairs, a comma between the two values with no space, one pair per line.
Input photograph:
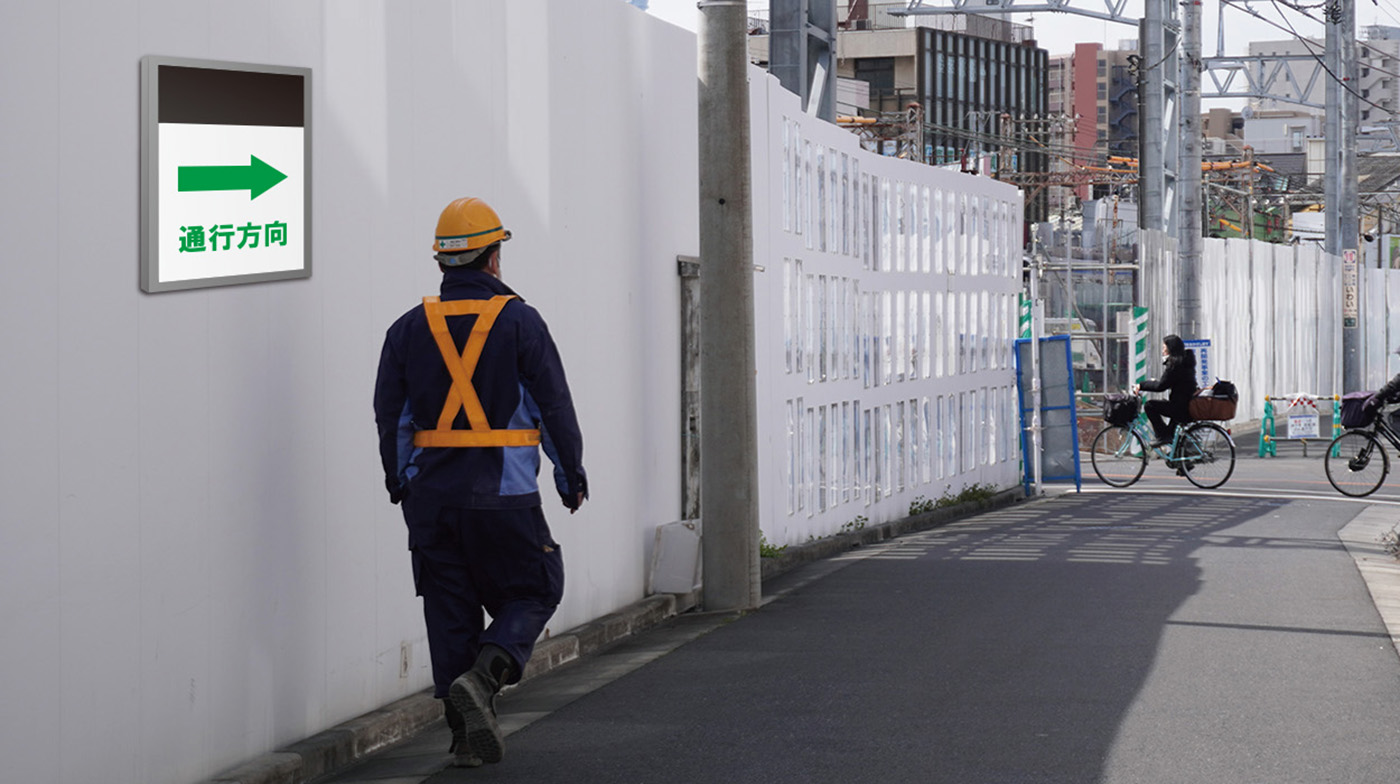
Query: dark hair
[479,263]
[1175,345]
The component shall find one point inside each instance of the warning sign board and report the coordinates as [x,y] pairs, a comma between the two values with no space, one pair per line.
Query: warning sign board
[226,164]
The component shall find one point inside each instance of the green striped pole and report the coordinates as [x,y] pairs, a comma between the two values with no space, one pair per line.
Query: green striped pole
[1139,338]
[1025,316]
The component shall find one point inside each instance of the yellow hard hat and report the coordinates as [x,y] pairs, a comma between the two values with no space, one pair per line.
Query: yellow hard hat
[468,224]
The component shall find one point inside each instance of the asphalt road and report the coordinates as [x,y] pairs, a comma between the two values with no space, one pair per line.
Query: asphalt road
[1163,634]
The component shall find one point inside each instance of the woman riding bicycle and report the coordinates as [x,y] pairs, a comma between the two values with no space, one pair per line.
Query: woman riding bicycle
[1179,380]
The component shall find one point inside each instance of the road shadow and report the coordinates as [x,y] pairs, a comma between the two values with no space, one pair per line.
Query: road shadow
[1006,648]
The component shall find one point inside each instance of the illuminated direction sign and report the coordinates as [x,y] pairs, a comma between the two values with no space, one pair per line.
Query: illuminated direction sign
[225,173]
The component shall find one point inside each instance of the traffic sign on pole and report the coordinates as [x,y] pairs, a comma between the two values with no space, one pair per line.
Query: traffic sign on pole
[226,173]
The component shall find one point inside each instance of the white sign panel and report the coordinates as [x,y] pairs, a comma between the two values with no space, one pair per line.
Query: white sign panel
[1303,425]
[226,174]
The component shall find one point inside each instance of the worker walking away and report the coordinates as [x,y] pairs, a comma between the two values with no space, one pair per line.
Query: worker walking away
[470,386]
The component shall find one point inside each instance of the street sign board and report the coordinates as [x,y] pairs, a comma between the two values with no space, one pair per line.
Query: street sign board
[1205,370]
[1351,295]
[225,173]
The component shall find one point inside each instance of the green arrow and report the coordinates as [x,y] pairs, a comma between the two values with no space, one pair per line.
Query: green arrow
[256,178]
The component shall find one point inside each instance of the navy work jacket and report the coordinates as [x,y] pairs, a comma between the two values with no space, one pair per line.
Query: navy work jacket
[520,383]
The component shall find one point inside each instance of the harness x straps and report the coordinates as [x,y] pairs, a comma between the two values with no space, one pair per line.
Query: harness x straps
[462,395]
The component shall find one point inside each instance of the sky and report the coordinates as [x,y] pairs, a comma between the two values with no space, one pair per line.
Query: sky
[1058,32]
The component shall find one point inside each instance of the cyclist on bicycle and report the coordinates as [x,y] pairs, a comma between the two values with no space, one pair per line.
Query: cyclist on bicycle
[1179,380]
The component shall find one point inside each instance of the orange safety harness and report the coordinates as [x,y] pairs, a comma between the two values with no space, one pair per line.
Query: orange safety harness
[462,395]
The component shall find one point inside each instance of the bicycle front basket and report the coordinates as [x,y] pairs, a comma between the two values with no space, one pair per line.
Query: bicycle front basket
[1354,411]
[1119,409]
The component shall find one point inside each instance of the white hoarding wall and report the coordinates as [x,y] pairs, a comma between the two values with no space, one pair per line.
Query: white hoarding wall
[886,301]
[198,562]
[1273,316]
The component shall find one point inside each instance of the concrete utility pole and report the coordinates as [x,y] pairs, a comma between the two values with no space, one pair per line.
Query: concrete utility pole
[1339,179]
[1157,95]
[1188,271]
[728,400]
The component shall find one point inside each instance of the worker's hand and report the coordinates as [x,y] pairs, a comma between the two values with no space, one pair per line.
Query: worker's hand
[577,503]
[396,490]
[1372,403]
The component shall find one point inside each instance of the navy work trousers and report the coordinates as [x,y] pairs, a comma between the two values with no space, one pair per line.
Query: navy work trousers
[502,561]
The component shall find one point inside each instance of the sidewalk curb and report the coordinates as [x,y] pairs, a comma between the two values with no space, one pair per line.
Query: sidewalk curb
[351,741]
[1378,569]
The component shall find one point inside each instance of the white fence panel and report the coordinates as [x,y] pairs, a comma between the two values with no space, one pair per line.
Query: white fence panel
[885,300]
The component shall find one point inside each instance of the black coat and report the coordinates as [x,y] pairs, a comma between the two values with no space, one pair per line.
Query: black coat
[1179,381]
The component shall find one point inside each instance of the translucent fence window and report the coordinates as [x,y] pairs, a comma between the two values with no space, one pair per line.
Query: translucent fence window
[886,306]
[803,433]
[867,457]
[833,197]
[884,226]
[951,232]
[798,323]
[888,446]
[881,434]
[983,324]
[984,314]
[968,403]
[821,460]
[799,181]
[925,230]
[853,346]
[986,251]
[901,358]
[821,327]
[863,222]
[940,223]
[857,477]
[821,205]
[974,335]
[867,337]
[807,184]
[964,250]
[951,421]
[925,444]
[937,338]
[911,228]
[926,336]
[846,221]
[900,228]
[911,349]
[811,296]
[834,458]
[950,333]
[940,436]
[833,343]
[899,461]
[791,467]
[845,452]
[993,424]
[787,174]
[809,458]
[788,336]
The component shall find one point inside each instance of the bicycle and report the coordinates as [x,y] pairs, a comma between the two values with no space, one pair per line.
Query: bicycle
[1356,461]
[1201,451]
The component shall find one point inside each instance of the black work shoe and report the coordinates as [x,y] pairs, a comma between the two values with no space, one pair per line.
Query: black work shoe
[461,750]
[474,695]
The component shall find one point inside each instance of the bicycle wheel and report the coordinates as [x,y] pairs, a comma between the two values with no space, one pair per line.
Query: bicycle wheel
[1359,465]
[1119,456]
[1206,455]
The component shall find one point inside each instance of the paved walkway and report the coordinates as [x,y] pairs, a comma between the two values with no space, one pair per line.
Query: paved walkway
[1082,638]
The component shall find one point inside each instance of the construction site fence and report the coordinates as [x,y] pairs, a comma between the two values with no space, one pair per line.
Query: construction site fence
[1302,427]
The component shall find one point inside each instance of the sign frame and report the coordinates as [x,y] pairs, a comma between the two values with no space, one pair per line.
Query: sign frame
[150,264]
